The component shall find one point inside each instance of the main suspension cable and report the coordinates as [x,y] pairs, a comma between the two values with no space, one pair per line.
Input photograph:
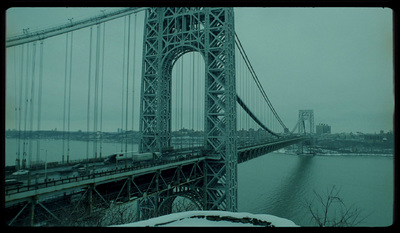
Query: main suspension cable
[257,81]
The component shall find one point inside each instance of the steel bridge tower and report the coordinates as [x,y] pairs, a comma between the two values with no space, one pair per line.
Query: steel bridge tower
[306,115]
[168,34]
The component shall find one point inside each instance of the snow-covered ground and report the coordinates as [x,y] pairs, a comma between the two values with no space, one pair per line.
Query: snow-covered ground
[213,219]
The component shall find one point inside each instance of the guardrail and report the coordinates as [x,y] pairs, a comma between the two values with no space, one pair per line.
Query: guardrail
[55,182]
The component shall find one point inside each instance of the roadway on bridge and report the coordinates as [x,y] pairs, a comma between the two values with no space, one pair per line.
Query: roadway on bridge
[80,169]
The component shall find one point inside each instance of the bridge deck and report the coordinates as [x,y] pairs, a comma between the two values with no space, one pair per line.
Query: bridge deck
[54,187]
[65,184]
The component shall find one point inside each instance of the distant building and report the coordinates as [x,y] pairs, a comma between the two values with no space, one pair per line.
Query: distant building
[323,129]
[374,137]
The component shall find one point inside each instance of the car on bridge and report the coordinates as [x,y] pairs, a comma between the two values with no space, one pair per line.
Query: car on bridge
[134,157]
[20,173]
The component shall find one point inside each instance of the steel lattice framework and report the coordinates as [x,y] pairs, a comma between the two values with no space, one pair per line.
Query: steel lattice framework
[306,115]
[170,33]
[210,181]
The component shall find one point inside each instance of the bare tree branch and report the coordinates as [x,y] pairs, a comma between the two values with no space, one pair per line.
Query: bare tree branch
[334,211]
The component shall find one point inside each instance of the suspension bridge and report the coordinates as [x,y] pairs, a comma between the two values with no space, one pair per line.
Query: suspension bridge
[195,74]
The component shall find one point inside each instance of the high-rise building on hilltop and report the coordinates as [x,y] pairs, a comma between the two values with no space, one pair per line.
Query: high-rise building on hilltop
[323,129]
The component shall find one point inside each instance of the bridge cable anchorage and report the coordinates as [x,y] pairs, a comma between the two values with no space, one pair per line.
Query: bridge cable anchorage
[253,74]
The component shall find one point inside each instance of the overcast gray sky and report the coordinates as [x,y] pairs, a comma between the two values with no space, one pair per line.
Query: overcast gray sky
[336,61]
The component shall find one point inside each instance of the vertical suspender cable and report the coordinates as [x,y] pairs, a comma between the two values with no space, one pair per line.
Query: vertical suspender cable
[257,81]
[243,71]
[199,95]
[182,100]
[65,95]
[31,102]
[133,76]
[241,91]
[16,106]
[246,91]
[237,75]
[123,82]
[26,106]
[96,92]
[193,55]
[191,97]
[39,116]
[88,103]
[178,91]
[238,85]
[195,64]
[127,86]
[102,82]
[175,99]
[19,105]
[69,96]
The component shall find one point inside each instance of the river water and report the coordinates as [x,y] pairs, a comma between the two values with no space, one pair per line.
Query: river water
[281,184]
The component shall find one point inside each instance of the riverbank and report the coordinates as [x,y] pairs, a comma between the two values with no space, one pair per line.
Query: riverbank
[335,153]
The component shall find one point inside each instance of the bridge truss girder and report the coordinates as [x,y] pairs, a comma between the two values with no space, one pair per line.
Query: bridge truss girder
[245,154]
[149,188]
[170,33]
